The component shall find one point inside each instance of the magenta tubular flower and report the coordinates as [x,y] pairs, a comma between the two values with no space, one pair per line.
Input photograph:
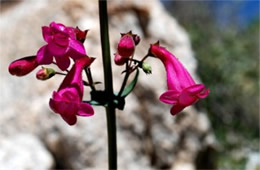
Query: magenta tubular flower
[182,90]
[67,101]
[126,45]
[62,44]
[23,66]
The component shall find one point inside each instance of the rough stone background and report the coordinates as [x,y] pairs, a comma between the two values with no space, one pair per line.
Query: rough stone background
[31,135]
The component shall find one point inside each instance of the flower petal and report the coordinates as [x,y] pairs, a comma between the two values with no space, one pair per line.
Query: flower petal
[63,62]
[43,56]
[187,99]
[77,49]
[191,94]
[63,107]
[170,97]
[70,118]
[71,32]
[58,28]
[57,50]
[176,109]
[46,33]
[67,110]
[61,40]
[85,109]
[56,96]
[195,89]
[70,94]
[203,94]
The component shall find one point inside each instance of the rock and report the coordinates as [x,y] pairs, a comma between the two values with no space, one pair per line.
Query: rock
[148,136]
[253,162]
[24,151]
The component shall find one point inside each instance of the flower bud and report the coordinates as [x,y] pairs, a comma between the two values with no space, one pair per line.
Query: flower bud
[23,66]
[45,73]
[119,60]
[147,68]
[136,39]
[81,35]
[126,45]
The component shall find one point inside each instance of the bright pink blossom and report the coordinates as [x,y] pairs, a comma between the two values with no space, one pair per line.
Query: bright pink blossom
[23,66]
[67,101]
[126,45]
[62,44]
[182,90]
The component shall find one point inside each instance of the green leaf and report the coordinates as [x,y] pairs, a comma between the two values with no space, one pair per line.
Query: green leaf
[128,89]
[93,103]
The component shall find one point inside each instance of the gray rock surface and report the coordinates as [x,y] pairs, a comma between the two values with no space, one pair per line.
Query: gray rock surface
[148,136]
[24,151]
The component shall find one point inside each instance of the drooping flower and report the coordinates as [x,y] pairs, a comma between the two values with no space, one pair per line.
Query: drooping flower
[61,44]
[67,101]
[23,66]
[182,89]
[126,45]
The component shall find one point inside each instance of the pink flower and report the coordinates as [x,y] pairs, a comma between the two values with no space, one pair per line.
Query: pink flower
[182,90]
[67,101]
[23,66]
[126,45]
[62,44]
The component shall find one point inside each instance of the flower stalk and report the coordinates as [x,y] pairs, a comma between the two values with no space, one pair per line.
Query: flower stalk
[110,108]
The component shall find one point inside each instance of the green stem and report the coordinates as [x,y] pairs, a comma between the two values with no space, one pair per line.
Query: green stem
[110,109]
[140,62]
[90,80]
[124,81]
[129,72]
[60,73]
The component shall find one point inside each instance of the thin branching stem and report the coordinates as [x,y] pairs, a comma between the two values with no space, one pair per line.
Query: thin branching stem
[110,108]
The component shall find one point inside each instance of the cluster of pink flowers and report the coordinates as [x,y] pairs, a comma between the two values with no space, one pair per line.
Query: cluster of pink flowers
[66,43]
[63,43]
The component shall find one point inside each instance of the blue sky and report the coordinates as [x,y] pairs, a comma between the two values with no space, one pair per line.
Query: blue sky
[242,12]
[228,12]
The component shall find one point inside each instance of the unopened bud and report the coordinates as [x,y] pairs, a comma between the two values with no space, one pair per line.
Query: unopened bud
[126,45]
[81,35]
[23,66]
[147,68]
[136,39]
[45,73]
[119,60]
